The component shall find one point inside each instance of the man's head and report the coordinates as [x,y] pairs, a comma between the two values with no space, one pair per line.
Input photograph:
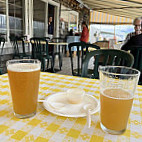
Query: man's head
[50,19]
[137,25]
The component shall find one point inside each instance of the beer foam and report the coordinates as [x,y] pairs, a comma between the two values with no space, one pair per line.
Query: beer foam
[117,94]
[23,67]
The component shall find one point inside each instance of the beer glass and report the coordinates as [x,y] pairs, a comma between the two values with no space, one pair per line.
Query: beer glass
[117,89]
[24,75]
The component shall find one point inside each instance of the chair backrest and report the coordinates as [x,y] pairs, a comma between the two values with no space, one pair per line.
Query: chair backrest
[14,46]
[106,57]
[47,38]
[18,44]
[39,46]
[82,51]
[24,37]
[2,42]
[88,45]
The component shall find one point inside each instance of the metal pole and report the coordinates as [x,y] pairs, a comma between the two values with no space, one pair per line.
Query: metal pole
[60,16]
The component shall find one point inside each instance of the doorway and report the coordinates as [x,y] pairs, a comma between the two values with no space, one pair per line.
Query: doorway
[39,18]
[51,15]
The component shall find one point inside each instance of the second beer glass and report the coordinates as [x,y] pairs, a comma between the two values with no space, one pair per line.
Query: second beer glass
[117,89]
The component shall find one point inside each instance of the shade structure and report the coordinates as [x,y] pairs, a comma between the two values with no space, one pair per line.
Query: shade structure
[104,18]
[124,8]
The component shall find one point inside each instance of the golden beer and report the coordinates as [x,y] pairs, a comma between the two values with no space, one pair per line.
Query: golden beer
[24,86]
[117,89]
[115,108]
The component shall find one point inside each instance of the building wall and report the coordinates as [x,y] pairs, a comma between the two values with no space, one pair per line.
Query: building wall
[28,22]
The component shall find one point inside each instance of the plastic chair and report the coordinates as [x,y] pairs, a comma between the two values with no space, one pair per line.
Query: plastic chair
[106,57]
[2,43]
[40,51]
[47,38]
[82,51]
[13,42]
[19,48]
[14,46]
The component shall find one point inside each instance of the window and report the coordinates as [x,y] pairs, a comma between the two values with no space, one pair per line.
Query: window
[39,18]
[73,21]
[3,28]
[15,17]
[70,17]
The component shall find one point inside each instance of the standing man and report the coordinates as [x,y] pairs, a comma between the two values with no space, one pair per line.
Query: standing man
[50,34]
[137,27]
[50,28]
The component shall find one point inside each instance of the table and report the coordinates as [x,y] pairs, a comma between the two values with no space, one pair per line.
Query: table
[50,43]
[58,43]
[58,52]
[48,127]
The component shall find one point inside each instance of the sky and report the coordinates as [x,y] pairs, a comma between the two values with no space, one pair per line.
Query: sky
[107,31]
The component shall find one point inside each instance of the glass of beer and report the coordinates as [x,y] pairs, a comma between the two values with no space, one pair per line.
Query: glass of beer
[117,89]
[24,75]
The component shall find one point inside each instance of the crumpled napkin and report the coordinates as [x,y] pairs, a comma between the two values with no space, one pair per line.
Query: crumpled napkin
[61,104]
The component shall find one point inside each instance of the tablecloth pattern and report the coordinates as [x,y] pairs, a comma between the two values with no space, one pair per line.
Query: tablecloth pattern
[45,126]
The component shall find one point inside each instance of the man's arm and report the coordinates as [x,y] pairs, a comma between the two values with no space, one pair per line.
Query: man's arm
[126,45]
[127,38]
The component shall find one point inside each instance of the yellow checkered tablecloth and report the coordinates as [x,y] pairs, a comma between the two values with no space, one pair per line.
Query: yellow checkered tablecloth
[48,127]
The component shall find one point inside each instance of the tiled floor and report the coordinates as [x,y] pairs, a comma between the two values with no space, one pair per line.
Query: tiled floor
[66,67]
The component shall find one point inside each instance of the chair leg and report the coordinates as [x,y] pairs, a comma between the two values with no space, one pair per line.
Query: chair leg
[60,61]
[52,64]
[53,58]
[0,72]
[47,63]
[43,64]
[1,67]
[140,80]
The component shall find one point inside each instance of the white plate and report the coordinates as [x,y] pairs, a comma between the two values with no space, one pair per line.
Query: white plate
[58,104]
